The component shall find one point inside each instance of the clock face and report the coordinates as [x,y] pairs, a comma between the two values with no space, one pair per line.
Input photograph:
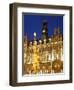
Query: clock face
[43,31]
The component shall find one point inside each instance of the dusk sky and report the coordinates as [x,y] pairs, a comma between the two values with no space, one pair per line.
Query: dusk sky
[33,23]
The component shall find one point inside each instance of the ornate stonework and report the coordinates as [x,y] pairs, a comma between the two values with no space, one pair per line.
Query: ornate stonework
[44,56]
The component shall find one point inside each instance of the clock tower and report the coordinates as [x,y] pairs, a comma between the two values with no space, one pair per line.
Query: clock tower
[44,31]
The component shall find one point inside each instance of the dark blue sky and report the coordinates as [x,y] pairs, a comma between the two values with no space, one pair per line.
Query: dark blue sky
[33,23]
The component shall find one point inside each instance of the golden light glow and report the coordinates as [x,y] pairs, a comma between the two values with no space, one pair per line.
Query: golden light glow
[43,56]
